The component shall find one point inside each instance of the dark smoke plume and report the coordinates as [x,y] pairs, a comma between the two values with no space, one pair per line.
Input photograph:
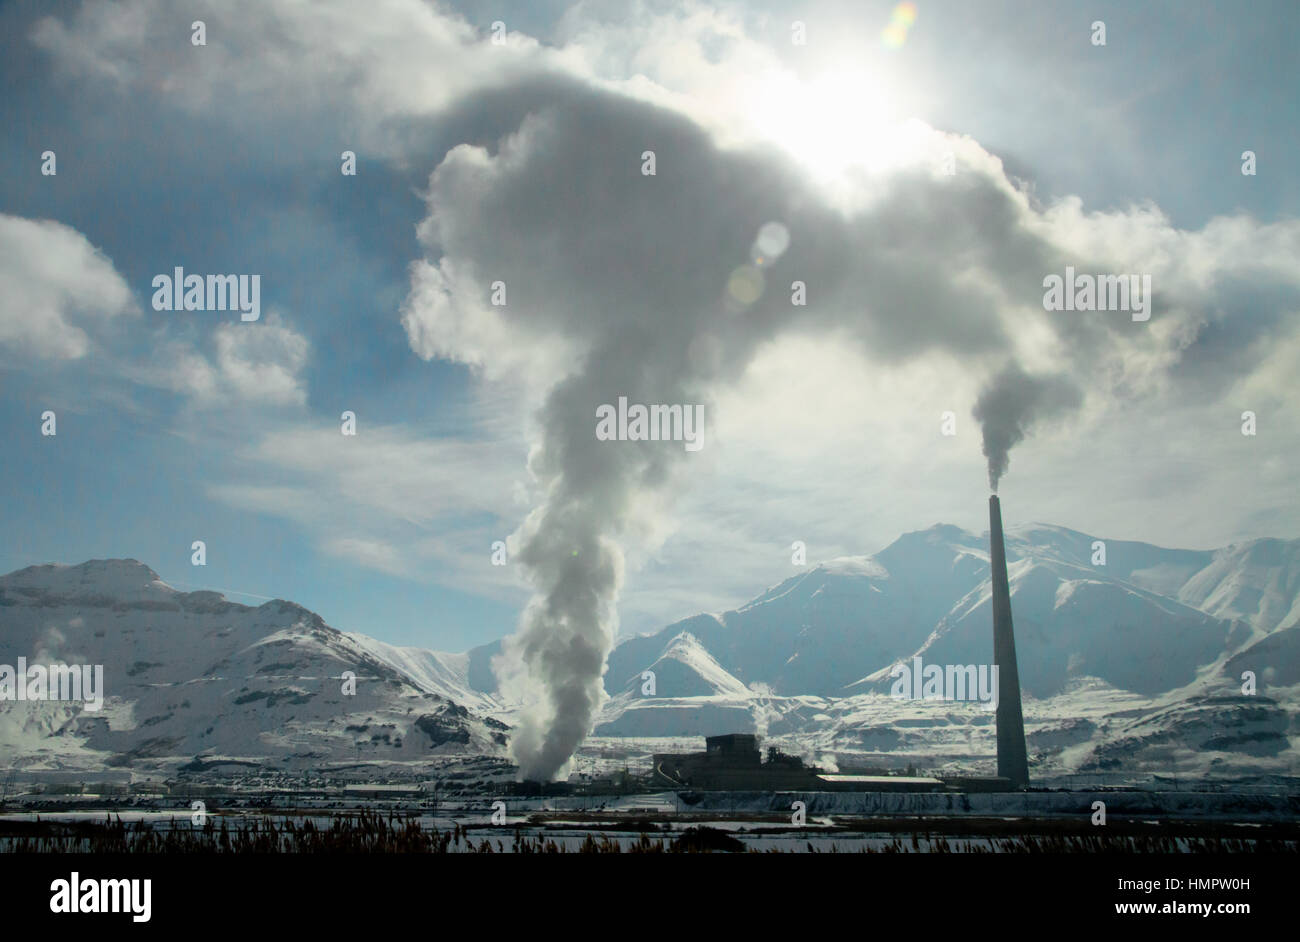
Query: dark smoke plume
[1010,403]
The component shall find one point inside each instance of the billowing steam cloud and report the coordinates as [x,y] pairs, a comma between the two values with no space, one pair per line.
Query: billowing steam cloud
[1010,404]
[661,289]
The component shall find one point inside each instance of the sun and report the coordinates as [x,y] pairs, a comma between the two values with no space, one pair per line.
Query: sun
[841,119]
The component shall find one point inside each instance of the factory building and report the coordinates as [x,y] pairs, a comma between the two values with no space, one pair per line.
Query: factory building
[734,763]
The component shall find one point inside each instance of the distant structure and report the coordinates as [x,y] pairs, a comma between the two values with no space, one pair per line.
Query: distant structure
[372,790]
[1013,758]
[734,763]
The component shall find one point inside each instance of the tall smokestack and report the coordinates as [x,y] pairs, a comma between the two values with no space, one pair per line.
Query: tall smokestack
[1013,760]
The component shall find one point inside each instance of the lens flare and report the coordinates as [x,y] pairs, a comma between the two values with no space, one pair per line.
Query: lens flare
[745,285]
[770,244]
[895,34]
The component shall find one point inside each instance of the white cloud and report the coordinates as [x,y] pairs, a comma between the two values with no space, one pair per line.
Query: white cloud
[262,362]
[369,64]
[54,283]
[57,290]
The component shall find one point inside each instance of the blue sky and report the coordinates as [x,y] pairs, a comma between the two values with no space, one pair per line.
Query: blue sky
[177,426]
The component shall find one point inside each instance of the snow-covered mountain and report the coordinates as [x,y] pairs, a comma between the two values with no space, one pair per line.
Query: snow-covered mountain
[1134,663]
[194,680]
[683,692]
[836,628]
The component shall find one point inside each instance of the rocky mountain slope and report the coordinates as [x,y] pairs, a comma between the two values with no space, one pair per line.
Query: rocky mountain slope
[194,680]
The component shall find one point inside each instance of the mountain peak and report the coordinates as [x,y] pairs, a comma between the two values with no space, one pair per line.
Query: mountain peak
[855,566]
[107,575]
[945,531]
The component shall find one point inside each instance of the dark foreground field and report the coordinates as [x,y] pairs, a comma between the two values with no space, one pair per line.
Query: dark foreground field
[373,833]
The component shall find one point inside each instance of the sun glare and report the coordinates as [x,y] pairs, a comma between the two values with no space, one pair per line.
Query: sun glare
[842,119]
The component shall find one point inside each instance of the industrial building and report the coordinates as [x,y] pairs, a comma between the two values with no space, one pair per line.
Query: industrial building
[734,763]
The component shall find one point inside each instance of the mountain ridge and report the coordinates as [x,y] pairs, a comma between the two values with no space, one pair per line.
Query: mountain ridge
[1155,629]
